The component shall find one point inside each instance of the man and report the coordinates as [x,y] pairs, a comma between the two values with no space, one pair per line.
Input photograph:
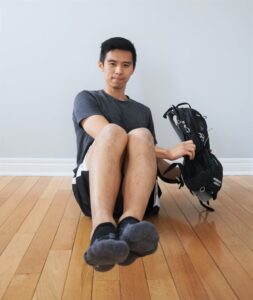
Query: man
[117,163]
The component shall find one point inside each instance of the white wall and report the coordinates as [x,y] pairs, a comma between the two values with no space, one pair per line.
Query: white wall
[188,50]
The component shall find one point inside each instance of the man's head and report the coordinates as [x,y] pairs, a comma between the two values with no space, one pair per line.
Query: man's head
[117,62]
[117,43]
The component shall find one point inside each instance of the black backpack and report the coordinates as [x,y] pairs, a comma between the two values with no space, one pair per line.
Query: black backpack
[202,175]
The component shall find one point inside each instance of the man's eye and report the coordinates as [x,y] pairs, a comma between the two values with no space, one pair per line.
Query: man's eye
[126,65]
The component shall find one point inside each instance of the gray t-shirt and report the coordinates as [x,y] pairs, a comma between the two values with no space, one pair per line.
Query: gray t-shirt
[128,114]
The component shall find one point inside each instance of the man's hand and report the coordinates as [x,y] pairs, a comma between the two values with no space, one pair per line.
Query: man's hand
[181,149]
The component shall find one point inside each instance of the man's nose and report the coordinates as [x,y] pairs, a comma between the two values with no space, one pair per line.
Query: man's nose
[118,69]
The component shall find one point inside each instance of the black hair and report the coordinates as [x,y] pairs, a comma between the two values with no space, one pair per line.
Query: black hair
[117,43]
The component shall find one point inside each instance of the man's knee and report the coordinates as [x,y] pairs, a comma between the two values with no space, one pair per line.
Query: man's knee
[141,136]
[112,140]
[112,135]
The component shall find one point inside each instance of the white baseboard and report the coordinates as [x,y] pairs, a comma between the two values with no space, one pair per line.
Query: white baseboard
[237,166]
[64,166]
[37,166]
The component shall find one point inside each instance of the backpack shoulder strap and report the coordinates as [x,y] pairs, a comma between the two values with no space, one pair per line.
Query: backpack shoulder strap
[178,180]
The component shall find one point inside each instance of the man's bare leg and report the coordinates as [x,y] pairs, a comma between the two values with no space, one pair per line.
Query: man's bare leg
[140,173]
[138,183]
[104,162]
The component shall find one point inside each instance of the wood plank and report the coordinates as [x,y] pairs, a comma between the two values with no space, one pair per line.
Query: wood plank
[242,224]
[112,275]
[22,287]
[65,235]
[11,258]
[239,250]
[36,255]
[72,210]
[9,206]
[225,202]
[156,266]
[237,193]
[106,290]
[2,200]
[208,272]
[160,289]
[53,277]
[4,180]
[248,178]
[236,218]
[12,224]
[80,275]
[229,266]
[241,181]
[186,279]
[158,275]
[12,186]
[66,183]
[133,283]
[33,221]
[66,232]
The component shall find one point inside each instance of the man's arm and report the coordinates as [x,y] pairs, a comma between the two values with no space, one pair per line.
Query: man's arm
[94,124]
[181,149]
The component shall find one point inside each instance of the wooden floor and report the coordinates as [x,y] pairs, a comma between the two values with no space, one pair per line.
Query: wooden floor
[200,256]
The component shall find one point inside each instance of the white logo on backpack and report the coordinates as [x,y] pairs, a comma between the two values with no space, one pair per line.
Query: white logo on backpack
[216,181]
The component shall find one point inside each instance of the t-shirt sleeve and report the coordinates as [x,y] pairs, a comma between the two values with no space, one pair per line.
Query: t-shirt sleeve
[151,126]
[85,105]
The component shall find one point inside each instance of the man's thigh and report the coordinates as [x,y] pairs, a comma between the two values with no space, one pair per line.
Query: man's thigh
[90,156]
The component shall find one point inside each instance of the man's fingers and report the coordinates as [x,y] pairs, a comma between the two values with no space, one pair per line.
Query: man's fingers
[189,142]
[191,151]
[191,155]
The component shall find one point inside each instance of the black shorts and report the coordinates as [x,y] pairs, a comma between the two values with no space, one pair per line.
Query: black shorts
[80,186]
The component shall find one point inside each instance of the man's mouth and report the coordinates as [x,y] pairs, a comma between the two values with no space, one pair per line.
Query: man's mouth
[117,78]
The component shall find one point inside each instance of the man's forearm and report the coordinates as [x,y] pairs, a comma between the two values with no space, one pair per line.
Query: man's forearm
[162,152]
[178,151]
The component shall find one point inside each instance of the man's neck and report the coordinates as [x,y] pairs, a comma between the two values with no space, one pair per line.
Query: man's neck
[118,94]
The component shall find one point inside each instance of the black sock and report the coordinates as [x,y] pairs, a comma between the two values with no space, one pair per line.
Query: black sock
[128,220]
[103,229]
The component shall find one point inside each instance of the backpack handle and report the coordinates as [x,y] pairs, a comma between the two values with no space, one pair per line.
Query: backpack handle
[183,103]
[165,115]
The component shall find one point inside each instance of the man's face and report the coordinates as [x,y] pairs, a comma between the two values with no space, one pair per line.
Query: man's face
[118,68]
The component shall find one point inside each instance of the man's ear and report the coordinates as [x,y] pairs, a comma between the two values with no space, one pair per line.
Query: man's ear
[101,66]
